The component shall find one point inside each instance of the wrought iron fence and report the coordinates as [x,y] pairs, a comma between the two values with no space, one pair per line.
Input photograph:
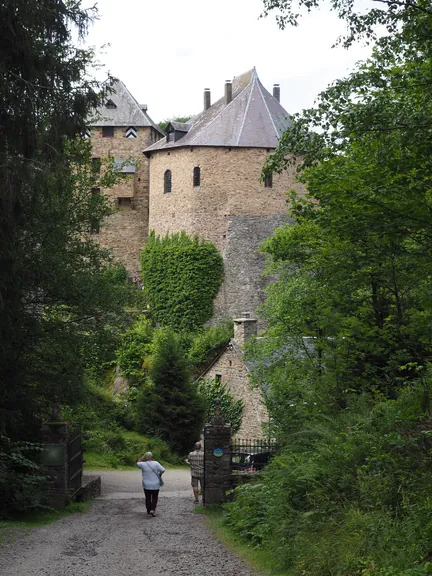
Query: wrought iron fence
[252,455]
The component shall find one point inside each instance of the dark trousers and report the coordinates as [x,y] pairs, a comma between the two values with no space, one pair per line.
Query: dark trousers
[151,497]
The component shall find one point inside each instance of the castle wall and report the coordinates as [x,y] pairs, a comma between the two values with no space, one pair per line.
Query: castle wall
[232,370]
[231,208]
[125,231]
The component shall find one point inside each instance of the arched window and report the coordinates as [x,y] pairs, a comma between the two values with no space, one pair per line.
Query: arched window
[197,176]
[268,180]
[167,181]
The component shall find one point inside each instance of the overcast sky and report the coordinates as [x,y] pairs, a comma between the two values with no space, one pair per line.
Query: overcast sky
[168,51]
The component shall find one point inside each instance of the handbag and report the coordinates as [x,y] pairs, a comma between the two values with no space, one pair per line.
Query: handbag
[161,482]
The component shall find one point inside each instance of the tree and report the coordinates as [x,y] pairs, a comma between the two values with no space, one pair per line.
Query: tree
[181,277]
[216,391]
[55,295]
[168,406]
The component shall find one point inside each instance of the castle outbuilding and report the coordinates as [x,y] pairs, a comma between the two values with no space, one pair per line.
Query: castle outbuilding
[205,180]
[122,128]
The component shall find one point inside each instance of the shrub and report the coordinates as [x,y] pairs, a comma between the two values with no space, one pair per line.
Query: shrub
[215,391]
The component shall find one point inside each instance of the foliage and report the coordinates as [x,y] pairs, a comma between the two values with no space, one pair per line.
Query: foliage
[164,123]
[216,391]
[56,300]
[21,476]
[133,354]
[346,356]
[207,343]
[357,486]
[181,277]
[168,406]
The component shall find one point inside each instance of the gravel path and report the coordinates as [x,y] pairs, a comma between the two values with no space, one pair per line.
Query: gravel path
[117,538]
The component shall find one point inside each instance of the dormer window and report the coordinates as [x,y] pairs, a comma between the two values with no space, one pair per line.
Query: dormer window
[107,131]
[131,132]
[110,105]
[197,176]
[176,130]
[268,180]
[167,181]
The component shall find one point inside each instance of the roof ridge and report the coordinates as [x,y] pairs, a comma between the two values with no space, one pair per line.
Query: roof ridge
[268,111]
[253,79]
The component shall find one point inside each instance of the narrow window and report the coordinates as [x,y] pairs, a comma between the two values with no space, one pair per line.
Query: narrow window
[197,176]
[218,377]
[124,202]
[107,131]
[94,222]
[167,181]
[268,180]
[96,165]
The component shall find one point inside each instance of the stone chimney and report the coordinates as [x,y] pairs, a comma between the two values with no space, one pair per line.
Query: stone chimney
[244,328]
[228,91]
[207,98]
[276,92]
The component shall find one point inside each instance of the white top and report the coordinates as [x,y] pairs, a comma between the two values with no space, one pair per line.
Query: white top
[150,472]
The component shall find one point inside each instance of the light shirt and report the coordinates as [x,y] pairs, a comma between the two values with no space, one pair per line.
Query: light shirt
[150,472]
[196,461]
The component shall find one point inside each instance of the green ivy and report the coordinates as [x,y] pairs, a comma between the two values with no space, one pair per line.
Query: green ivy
[181,277]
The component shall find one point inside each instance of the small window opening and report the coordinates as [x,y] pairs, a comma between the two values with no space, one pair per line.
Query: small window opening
[268,180]
[197,176]
[110,105]
[107,131]
[167,181]
[124,202]
[218,377]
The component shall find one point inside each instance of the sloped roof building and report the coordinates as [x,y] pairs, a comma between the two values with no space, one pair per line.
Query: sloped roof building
[205,180]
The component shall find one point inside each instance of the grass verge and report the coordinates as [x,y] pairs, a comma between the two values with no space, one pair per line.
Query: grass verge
[11,529]
[259,560]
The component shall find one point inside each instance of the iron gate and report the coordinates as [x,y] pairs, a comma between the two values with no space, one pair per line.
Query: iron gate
[75,457]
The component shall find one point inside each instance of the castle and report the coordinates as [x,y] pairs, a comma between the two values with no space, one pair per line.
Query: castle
[202,177]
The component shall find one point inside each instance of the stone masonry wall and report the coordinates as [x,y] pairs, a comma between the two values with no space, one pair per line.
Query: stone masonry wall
[125,231]
[231,208]
[233,371]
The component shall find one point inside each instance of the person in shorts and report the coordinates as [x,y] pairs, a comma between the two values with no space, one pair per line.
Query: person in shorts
[196,463]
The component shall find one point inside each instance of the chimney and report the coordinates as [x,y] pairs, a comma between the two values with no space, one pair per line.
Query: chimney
[244,328]
[207,98]
[228,91]
[276,92]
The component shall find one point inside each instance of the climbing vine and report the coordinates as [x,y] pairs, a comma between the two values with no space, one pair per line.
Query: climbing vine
[181,277]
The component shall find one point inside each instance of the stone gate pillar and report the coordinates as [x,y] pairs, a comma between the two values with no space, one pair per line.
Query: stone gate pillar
[217,459]
[55,440]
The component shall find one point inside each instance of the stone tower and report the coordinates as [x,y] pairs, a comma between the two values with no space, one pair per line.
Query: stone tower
[121,128]
[205,180]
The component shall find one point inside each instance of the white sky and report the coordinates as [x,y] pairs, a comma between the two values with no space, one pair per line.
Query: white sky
[168,51]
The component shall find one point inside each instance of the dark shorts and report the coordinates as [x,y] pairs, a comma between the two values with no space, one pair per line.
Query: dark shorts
[196,479]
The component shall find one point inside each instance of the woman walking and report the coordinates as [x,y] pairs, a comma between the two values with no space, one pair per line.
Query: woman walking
[151,479]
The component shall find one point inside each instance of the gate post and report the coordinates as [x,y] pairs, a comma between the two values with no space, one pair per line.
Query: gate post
[217,459]
[55,439]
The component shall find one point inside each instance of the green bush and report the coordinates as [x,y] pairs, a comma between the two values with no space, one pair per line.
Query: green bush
[181,277]
[21,476]
[348,495]
[207,343]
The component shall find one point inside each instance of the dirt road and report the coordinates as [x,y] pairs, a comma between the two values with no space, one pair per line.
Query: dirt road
[117,538]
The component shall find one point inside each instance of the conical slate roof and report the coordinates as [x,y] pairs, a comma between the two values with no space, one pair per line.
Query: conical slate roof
[121,109]
[253,119]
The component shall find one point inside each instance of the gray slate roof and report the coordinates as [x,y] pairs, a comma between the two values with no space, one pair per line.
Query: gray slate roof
[127,112]
[253,119]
